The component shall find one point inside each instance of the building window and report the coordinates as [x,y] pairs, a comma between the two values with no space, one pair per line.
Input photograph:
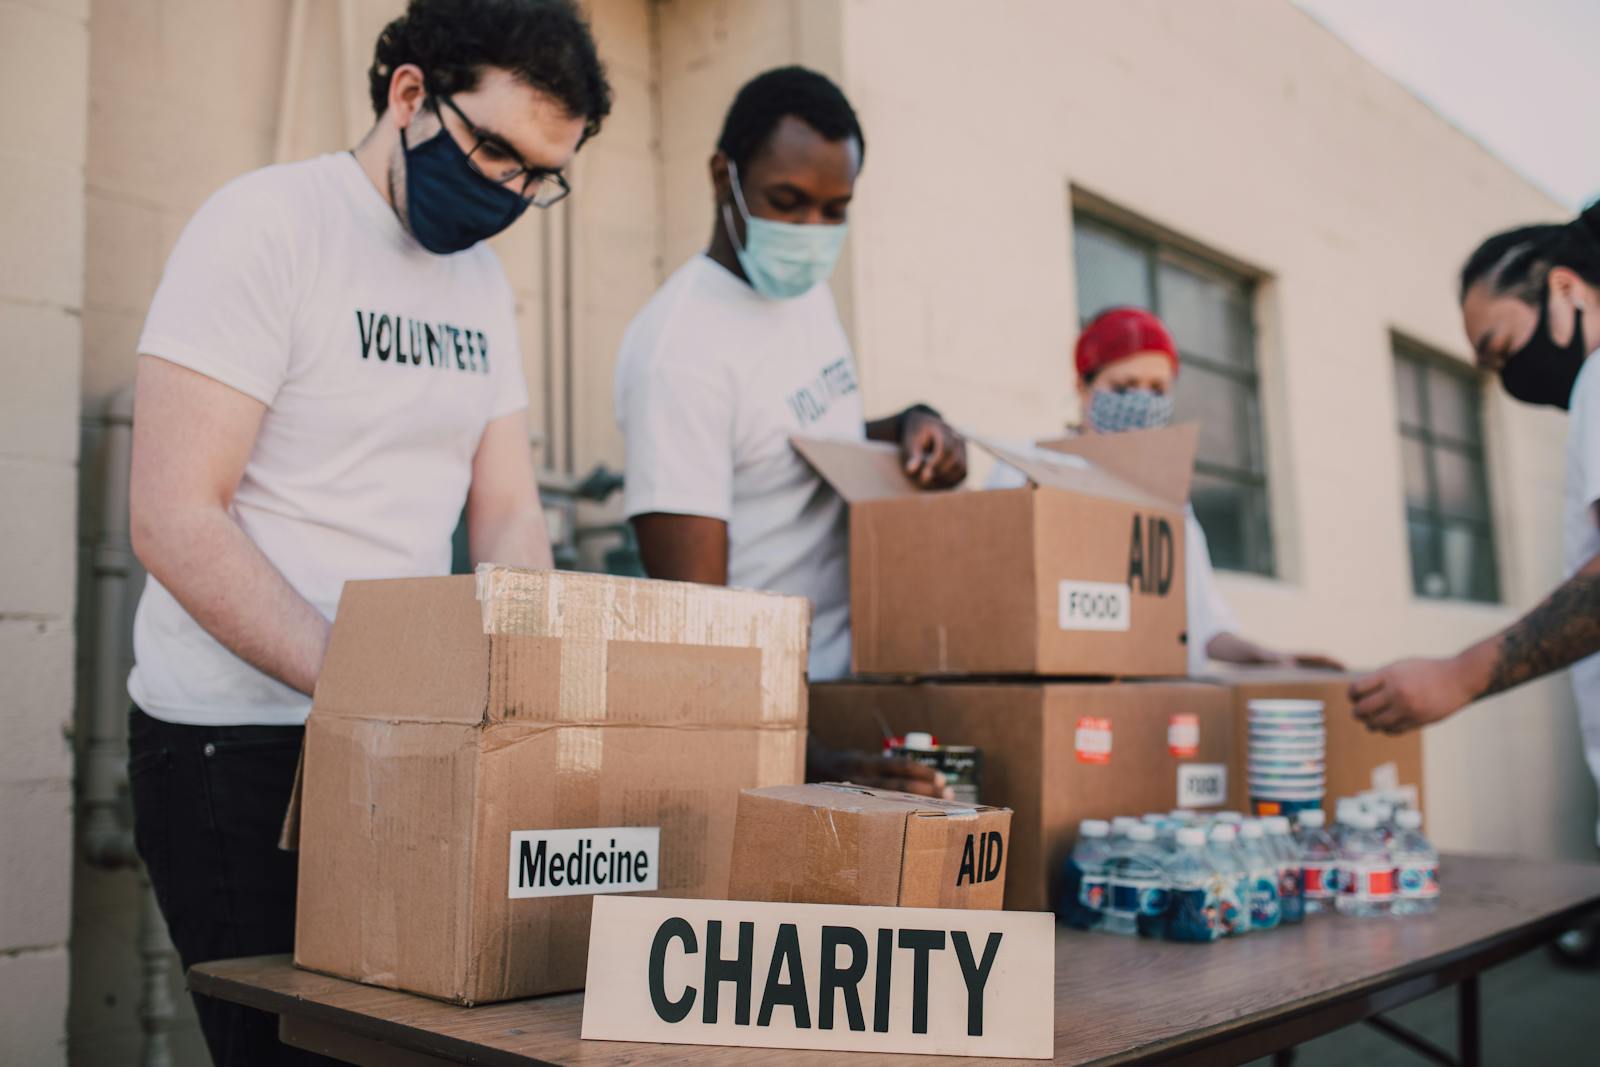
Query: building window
[1447,488]
[1208,308]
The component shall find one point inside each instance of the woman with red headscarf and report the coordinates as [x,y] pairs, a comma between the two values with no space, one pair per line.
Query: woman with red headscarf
[1127,365]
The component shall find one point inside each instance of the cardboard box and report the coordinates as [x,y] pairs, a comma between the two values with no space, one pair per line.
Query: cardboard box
[1054,752]
[838,843]
[1358,759]
[1079,573]
[464,731]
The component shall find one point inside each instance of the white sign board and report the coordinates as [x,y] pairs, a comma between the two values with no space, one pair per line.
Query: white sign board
[821,976]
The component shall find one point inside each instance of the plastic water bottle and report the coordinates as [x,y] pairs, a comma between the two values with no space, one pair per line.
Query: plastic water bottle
[1194,914]
[1416,864]
[1366,873]
[1233,909]
[1291,905]
[1083,883]
[1319,862]
[1136,885]
[1120,827]
[1265,911]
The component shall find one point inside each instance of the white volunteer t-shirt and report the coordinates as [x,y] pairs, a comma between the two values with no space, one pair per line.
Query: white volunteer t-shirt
[712,381]
[379,363]
[1208,614]
[1582,535]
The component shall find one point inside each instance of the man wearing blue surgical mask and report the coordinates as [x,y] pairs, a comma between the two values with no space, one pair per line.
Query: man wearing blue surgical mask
[742,349]
[328,372]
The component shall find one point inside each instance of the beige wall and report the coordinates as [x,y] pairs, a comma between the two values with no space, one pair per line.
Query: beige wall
[43,74]
[1244,126]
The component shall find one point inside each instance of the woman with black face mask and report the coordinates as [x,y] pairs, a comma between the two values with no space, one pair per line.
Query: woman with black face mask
[1530,302]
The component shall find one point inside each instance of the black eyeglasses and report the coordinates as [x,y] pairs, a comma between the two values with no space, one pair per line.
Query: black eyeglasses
[497,161]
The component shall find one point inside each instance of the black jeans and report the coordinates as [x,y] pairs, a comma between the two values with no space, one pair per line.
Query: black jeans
[208,803]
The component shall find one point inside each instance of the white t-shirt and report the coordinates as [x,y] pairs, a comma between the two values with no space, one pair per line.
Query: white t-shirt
[712,381]
[380,365]
[1208,613]
[1582,535]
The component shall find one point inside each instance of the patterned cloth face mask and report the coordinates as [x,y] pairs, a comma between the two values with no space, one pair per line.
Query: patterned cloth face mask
[1134,409]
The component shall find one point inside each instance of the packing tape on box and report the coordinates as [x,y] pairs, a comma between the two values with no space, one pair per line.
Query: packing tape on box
[589,611]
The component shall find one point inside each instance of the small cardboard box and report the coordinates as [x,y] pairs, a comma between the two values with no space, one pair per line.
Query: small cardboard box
[838,843]
[1054,752]
[1357,758]
[483,755]
[1078,573]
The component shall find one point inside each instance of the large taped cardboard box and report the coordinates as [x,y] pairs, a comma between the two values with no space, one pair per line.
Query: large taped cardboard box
[1079,573]
[1357,758]
[839,843]
[1053,752]
[465,730]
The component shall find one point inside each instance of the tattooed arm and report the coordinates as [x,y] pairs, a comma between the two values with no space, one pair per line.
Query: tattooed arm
[1415,692]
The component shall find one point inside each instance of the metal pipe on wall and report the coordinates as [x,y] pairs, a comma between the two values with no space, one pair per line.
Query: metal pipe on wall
[107,841]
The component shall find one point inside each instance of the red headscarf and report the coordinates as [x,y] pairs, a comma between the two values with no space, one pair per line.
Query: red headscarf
[1119,333]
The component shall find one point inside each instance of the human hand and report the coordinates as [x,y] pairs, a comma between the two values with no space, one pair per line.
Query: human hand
[1410,693]
[894,772]
[935,456]
[1312,661]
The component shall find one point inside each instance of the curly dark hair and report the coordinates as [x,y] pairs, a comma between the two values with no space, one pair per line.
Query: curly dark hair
[545,43]
[1517,262]
[767,98]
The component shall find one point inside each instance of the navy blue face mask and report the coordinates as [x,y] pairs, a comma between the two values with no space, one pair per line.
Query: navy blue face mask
[450,206]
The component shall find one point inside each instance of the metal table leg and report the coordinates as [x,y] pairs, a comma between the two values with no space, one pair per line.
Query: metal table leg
[1468,1031]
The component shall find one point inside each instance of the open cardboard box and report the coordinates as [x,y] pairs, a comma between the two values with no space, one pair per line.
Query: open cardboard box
[485,754]
[1078,573]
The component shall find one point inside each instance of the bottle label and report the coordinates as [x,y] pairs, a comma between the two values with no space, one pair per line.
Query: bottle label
[1264,912]
[1288,882]
[1417,881]
[1231,916]
[1137,896]
[1368,881]
[1195,915]
[1092,892]
[1319,881]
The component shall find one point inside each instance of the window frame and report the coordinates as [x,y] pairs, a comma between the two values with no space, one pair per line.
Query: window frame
[1427,362]
[1155,251]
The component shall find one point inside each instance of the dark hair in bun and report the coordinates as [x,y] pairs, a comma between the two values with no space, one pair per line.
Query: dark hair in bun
[1517,262]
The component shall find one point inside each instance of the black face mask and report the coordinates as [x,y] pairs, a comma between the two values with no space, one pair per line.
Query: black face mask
[1542,372]
[449,205]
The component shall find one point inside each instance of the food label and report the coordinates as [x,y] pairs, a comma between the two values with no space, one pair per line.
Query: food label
[1093,739]
[1183,735]
[1095,606]
[1202,785]
[570,863]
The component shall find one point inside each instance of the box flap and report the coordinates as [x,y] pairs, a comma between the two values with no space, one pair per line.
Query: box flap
[406,650]
[858,470]
[1161,462]
[847,796]
[1050,468]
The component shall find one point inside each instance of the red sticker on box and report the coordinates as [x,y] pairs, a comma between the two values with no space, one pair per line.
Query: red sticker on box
[1093,739]
[1183,735]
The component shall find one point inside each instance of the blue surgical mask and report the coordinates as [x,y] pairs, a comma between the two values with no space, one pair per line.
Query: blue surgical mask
[449,206]
[781,259]
[1135,409]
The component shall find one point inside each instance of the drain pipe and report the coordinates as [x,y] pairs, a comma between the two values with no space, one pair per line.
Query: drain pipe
[107,842]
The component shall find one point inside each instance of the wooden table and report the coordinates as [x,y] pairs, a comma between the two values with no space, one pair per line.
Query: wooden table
[1118,1000]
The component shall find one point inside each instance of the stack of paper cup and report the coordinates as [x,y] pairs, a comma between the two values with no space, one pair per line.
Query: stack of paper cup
[1288,756]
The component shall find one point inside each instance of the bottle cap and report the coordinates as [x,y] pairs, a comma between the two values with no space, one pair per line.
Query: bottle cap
[1408,819]
[1223,832]
[1230,816]
[1362,820]
[919,739]
[1250,830]
[1154,818]
[1276,824]
[1123,823]
[1142,832]
[1183,815]
[1314,818]
[1191,837]
[1093,828]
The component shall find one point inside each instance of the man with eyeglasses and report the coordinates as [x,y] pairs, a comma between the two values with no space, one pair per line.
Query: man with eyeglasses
[328,371]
